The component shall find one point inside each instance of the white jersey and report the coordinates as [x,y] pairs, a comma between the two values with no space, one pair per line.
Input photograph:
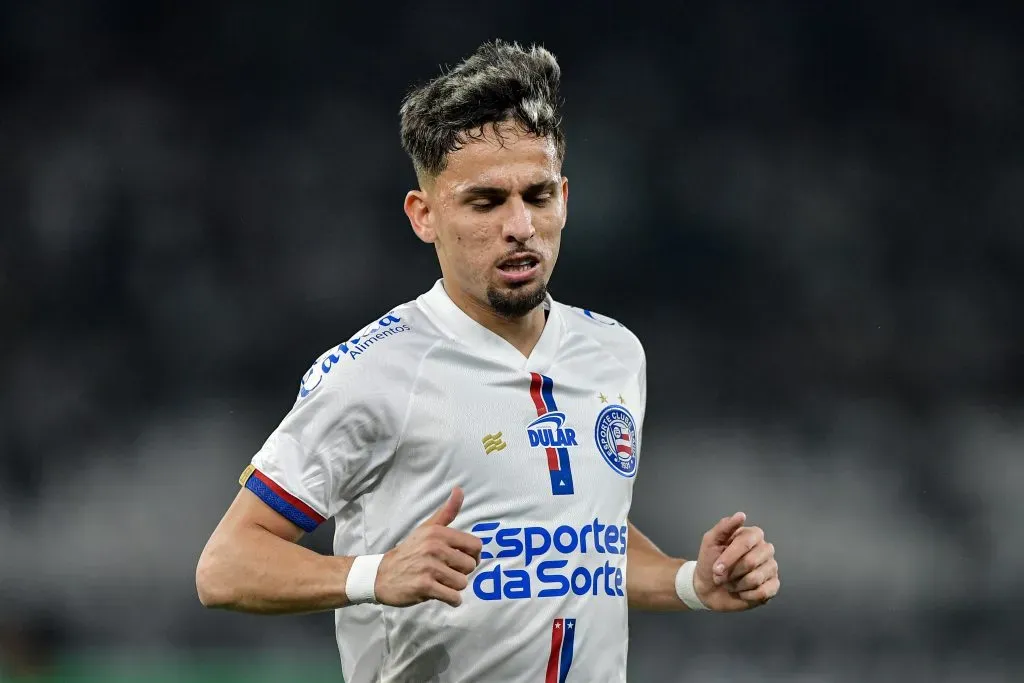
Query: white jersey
[546,451]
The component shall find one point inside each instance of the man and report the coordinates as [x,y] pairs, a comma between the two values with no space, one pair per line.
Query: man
[477,446]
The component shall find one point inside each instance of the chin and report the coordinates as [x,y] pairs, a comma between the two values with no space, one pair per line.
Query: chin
[517,300]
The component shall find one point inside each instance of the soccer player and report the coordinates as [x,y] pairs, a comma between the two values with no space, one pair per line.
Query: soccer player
[476,446]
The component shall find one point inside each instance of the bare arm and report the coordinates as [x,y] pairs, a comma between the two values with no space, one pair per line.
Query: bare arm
[650,575]
[252,563]
[735,571]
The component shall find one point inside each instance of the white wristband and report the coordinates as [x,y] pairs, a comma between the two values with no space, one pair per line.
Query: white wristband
[684,587]
[362,575]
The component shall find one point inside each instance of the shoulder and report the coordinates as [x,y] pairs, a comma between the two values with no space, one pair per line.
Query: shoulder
[382,355]
[613,336]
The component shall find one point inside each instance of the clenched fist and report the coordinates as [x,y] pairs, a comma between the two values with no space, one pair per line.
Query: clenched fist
[432,563]
[736,567]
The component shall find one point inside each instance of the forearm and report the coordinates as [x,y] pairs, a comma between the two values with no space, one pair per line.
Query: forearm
[252,570]
[650,575]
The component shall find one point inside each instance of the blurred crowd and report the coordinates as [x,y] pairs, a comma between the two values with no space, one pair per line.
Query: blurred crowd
[813,218]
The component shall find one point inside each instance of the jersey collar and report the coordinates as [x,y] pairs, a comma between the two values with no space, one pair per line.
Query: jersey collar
[463,329]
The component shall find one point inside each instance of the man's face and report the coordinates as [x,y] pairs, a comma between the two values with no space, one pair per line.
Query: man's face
[497,213]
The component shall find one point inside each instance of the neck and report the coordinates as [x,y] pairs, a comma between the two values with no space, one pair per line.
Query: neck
[523,333]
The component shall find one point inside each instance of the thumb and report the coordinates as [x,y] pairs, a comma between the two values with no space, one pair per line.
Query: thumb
[726,527]
[447,512]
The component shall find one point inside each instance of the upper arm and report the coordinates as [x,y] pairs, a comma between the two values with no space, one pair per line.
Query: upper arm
[248,511]
[246,518]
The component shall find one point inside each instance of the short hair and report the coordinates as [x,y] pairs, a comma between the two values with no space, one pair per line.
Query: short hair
[499,83]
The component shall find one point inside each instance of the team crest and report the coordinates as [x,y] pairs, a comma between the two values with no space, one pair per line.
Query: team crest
[615,435]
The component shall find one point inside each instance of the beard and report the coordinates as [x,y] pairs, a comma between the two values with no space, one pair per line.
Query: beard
[516,302]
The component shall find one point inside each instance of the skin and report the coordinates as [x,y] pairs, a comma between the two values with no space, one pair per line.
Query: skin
[497,196]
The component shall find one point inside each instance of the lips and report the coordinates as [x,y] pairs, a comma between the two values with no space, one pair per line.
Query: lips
[518,263]
[519,269]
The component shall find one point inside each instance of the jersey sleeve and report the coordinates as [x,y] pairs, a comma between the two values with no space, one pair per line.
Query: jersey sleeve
[331,446]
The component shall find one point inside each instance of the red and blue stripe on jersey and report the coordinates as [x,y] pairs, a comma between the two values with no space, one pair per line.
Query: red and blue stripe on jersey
[283,502]
[542,393]
[563,634]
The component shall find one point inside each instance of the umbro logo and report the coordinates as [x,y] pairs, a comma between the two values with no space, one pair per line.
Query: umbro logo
[493,443]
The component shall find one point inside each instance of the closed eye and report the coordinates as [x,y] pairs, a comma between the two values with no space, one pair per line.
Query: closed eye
[485,204]
[487,198]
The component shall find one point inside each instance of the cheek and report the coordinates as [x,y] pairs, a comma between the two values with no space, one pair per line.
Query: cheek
[464,234]
[474,243]
[482,231]
[550,221]
[549,229]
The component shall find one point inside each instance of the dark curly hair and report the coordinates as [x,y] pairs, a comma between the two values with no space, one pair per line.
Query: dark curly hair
[499,83]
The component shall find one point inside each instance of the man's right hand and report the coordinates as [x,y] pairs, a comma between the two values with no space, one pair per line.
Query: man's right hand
[432,563]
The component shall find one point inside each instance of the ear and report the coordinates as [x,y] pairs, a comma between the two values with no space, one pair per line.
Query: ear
[565,200]
[417,208]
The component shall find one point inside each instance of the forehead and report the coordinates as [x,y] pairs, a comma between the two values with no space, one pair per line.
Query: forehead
[514,159]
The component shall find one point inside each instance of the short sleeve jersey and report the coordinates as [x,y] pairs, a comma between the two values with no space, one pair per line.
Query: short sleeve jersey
[546,448]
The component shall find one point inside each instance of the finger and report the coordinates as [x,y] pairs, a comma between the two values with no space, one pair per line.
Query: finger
[447,512]
[440,549]
[737,549]
[721,532]
[458,560]
[754,558]
[460,540]
[447,576]
[439,591]
[763,593]
[754,578]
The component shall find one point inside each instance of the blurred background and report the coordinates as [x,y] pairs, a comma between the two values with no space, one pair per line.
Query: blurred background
[812,215]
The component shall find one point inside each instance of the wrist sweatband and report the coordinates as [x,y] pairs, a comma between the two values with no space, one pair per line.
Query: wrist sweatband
[685,589]
[361,577]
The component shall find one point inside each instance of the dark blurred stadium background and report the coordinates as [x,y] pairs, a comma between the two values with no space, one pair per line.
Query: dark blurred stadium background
[813,216]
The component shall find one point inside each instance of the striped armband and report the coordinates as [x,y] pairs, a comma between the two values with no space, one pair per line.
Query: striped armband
[287,505]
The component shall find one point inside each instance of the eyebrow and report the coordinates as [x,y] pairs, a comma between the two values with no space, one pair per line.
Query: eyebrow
[488,192]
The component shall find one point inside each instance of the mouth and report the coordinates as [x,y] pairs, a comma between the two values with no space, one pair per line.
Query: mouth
[519,268]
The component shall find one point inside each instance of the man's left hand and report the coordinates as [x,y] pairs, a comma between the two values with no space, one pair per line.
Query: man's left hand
[736,567]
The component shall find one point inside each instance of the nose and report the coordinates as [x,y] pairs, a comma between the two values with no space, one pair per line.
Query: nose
[518,224]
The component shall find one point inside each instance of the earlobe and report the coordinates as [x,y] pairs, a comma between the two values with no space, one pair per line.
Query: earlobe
[417,209]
